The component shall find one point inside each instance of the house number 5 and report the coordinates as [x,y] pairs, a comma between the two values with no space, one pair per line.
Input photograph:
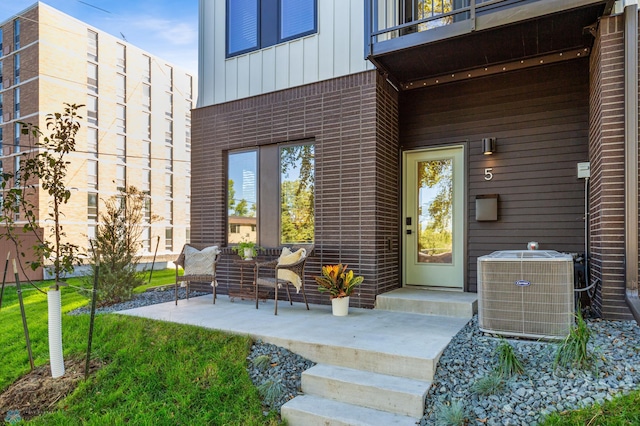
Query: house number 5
[488,173]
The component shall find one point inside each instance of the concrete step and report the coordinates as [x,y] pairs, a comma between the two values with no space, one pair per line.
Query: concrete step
[425,301]
[379,391]
[309,410]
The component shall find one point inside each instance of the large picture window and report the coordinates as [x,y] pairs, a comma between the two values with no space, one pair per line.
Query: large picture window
[256,24]
[285,211]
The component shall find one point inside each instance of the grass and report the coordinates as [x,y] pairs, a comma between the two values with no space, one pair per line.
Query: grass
[490,384]
[573,351]
[155,372]
[453,414]
[624,410]
[508,362]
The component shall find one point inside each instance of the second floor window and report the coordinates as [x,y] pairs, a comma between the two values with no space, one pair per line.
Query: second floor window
[256,24]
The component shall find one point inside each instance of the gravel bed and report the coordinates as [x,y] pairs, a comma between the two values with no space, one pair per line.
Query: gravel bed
[149,297]
[525,399]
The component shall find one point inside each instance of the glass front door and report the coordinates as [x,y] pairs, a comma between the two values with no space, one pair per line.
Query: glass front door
[433,228]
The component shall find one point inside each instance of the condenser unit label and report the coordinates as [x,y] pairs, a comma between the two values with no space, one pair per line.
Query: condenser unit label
[523,283]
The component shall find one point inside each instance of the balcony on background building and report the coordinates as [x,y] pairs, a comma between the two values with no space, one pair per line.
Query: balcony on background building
[417,43]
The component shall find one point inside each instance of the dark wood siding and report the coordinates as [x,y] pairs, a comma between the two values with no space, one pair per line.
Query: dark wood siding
[540,119]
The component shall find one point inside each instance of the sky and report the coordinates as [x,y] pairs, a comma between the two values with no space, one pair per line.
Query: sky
[165,28]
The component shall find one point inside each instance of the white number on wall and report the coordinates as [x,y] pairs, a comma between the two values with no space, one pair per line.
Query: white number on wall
[488,173]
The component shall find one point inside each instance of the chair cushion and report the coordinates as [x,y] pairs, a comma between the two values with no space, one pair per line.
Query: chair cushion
[289,258]
[200,262]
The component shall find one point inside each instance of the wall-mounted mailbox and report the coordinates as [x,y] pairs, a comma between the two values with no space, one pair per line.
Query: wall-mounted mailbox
[486,207]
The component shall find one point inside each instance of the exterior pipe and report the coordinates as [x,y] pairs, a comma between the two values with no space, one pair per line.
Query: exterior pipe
[631,157]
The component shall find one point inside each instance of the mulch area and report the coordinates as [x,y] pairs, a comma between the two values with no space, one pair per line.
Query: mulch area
[37,392]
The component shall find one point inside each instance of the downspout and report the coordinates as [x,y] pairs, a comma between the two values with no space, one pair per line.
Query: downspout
[631,157]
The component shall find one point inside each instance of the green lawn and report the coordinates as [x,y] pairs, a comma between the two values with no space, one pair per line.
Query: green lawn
[155,373]
[621,411]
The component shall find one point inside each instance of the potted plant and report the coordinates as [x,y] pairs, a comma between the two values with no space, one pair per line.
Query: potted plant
[246,249]
[339,282]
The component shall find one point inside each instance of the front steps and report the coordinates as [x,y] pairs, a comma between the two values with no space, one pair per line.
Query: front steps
[429,302]
[392,391]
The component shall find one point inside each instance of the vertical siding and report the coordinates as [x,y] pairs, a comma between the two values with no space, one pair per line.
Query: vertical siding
[539,117]
[353,122]
[607,167]
[335,50]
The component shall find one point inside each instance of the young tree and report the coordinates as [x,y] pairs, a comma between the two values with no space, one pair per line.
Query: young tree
[117,243]
[44,164]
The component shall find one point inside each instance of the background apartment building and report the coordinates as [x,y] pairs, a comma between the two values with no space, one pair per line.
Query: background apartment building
[136,127]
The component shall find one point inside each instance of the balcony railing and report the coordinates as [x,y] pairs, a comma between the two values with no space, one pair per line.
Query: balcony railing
[390,19]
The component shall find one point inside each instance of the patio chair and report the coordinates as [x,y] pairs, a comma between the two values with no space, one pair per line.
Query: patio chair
[199,262]
[287,270]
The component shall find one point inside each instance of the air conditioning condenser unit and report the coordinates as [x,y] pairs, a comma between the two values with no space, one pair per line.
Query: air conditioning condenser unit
[526,293]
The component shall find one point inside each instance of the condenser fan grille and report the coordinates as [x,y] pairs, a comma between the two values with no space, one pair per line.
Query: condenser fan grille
[526,296]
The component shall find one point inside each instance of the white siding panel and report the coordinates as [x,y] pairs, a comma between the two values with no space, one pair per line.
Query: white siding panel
[341,19]
[282,66]
[269,70]
[255,73]
[310,63]
[243,76]
[325,38]
[336,50]
[219,47]
[231,87]
[356,39]
[296,59]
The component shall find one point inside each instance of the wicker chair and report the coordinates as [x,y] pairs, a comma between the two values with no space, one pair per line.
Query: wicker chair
[205,274]
[271,280]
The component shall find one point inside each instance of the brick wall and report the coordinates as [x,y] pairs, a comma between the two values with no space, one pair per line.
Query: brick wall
[606,153]
[353,122]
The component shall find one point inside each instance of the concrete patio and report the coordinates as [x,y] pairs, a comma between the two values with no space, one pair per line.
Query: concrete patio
[393,344]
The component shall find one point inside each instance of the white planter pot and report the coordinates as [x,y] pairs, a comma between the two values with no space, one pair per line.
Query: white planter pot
[248,254]
[340,306]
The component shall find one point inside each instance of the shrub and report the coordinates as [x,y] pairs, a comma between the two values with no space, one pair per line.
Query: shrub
[573,352]
[508,362]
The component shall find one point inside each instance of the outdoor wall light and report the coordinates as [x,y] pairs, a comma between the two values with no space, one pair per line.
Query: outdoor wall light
[488,146]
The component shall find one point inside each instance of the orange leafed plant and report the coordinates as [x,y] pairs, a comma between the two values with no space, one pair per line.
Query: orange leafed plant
[337,281]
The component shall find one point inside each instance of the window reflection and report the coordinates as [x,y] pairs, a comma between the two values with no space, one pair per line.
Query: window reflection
[435,195]
[242,196]
[297,178]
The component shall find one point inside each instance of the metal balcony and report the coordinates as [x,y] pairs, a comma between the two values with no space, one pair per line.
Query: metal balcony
[413,41]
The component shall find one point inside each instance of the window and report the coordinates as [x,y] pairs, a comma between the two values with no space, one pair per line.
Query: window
[287,207]
[146,72]
[92,141]
[146,96]
[92,77]
[16,100]
[1,117]
[256,24]
[169,111]
[1,43]
[92,45]
[92,174]
[92,110]
[189,87]
[168,185]
[169,76]
[92,206]
[146,239]
[147,121]
[1,84]
[168,239]
[16,34]
[17,130]
[168,131]
[297,181]
[121,88]
[16,68]
[146,209]
[121,118]
[121,147]
[1,143]
[168,158]
[146,180]
[121,58]
[242,195]
[121,176]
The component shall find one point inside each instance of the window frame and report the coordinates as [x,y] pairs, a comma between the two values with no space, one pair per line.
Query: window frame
[268,26]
